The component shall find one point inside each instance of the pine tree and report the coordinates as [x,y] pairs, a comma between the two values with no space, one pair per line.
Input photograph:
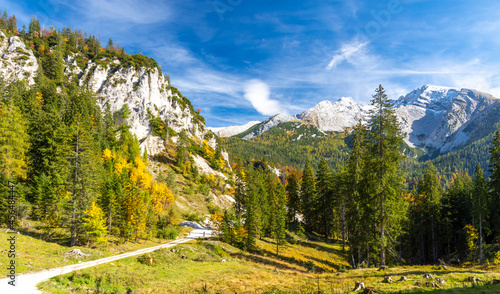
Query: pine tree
[432,189]
[293,196]
[252,217]
[384,141]
[480,205]
[308,196]
[84,172]
[278,210]
[326,198]
[34,27]
[494,202]
[352,186]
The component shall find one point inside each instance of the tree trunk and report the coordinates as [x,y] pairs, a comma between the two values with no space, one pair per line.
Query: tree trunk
[75,177]
[343,221]
[480,236]
[422,240]
[382,236]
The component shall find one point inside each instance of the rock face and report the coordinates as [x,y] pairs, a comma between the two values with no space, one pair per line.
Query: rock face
[144,91]
[432,117]
[16,62]
[437,117]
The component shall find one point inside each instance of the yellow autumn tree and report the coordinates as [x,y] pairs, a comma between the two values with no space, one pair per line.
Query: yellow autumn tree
[215,223]
[140,175]
[161,197]
[94,224]
[471,236]
[120,165]
[207,150]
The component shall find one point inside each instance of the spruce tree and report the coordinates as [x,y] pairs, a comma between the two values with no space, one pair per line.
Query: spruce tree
[494,185]
[293,196]
[384,177]
[308,196]
[480,206]
[84,172]
[279,213]
[326,197]
[432,189]
[352,186]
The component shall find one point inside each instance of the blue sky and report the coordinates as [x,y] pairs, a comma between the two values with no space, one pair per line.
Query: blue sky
[242,60]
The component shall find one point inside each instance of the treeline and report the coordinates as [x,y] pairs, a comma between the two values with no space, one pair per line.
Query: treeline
[381,217]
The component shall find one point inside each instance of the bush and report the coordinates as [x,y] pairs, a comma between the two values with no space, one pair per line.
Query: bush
[169,233]
[497,258]
[192,216]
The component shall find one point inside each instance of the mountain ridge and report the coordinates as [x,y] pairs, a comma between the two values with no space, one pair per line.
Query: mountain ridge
[431,117]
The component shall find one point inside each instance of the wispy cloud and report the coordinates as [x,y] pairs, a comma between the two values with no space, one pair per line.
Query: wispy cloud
[257,92]
[353,52]
[123,11]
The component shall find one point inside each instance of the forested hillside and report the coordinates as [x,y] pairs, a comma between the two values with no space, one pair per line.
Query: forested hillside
[72,154]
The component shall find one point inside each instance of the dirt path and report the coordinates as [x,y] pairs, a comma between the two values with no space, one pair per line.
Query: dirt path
[26,283]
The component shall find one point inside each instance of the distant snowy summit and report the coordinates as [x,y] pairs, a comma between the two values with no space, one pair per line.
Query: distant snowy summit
[233,130]
[328,116]
[431,116]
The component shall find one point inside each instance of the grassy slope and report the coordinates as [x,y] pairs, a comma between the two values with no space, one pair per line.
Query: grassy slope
[203,269]
[33,254]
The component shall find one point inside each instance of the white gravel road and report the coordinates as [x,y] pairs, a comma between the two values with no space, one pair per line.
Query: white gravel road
[26,283]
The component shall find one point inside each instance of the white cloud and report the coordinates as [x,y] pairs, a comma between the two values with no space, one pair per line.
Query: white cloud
[257,92]
[353,52]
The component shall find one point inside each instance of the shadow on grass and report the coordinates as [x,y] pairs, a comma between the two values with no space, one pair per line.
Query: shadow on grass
[323,248]
[53,236]
[264,260]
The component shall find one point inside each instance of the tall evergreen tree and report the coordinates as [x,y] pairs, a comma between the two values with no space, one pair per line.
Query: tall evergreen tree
[432,189]
[384,152]
[494,199]
[480,206]
[84,172]
[352,186]
[308,196]
[293,196]
[326,197]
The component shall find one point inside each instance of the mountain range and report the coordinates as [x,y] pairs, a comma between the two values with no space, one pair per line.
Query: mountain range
[434,118]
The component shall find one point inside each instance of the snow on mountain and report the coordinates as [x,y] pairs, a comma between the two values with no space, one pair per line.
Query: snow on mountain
[268,124]
[328,116]
[431,117]
[434,117]
[233,130]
